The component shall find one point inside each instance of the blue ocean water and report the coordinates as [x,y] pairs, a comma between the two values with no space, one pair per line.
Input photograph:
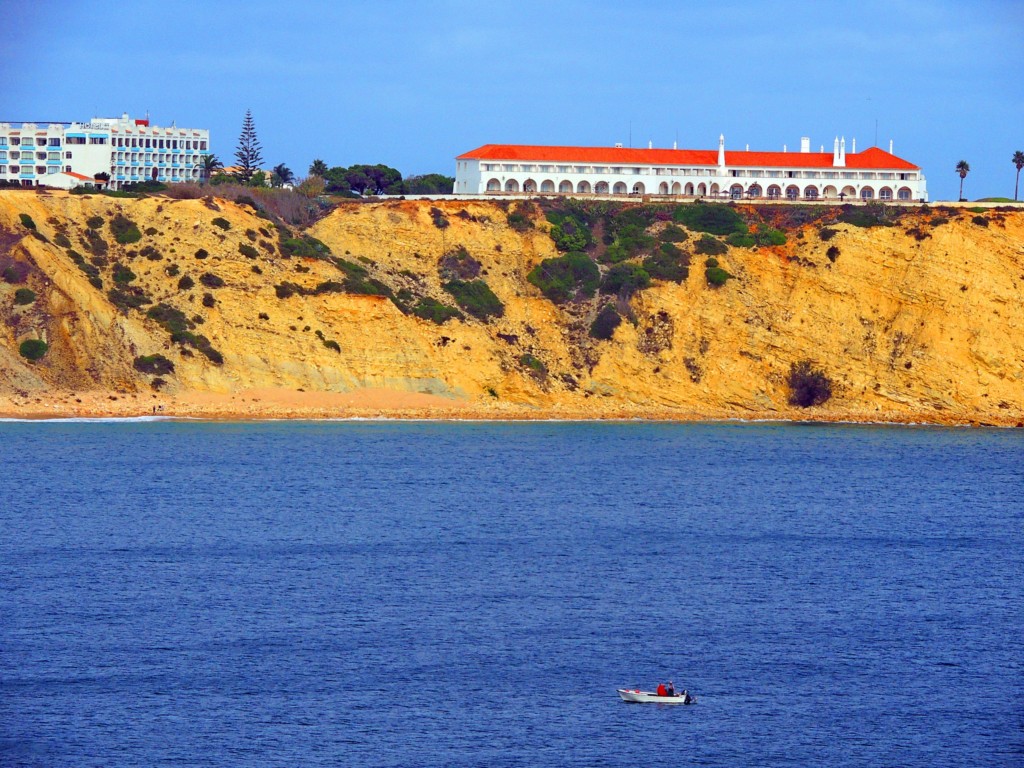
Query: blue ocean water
[471,594]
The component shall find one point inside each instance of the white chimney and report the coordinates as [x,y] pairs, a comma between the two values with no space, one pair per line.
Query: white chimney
[821,149]
[675,145]
[784,148]
[805,144]
[853,148]
[650,144]
[890,146]
[748,147]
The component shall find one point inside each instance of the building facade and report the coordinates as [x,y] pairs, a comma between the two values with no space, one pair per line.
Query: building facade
[66,155]
[873,174]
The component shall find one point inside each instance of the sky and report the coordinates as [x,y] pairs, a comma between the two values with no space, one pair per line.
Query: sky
[414,84]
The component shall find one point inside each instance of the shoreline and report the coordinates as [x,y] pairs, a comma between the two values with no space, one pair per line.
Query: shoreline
[271,404]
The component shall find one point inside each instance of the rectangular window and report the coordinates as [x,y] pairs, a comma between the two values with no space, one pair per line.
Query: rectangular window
[67,155]
[52,170]
[15,155]
[75,140]
[202,145]
[54,142]
[53,155]
[67,168]
[3,157]
[3,141]
[15,141]
[97,139]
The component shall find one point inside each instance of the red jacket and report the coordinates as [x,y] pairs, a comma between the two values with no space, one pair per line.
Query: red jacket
[662,690]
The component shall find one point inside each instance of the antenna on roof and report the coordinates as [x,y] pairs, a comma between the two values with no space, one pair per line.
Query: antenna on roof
[630,134]
[876,131]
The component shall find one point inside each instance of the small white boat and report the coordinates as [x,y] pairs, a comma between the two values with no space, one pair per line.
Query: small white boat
[636,696]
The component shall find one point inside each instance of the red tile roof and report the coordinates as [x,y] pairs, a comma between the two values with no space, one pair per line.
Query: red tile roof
[79,176]
[869,158]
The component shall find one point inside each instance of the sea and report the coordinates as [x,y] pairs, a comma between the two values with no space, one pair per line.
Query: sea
[382,593]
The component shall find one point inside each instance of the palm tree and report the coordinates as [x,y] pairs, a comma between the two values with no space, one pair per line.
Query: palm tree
[209,165]
[963,169]
[318,168]
[1018,160]
[282,175]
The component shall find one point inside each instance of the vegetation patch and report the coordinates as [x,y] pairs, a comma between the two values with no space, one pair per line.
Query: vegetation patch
[94,243]
[520,218]
[211,280]
[832,253]
[209,301]
[710,246]
[710,218]
[61,240]
[186,283]
[475,298]
[248,251]
[714,274]
[151,253]
[981,221]
[180,328]
[221,222]
[153,364]
[569,231]
[808,386]
[625,279]
[94,222]
[668,263]
[534,366]
[867,216]
[124,230]
[26,221]
[128,297]
[33,349]
[605,323]
[458,265]
[567,277]
[24,296]
[305,246]
[123,275]
[431,309]
[437,216]
[202,253]
[13,272]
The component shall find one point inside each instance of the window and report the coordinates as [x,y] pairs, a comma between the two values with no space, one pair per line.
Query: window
[75,140]
[15,155]
[67,155]
[97,139]
[54,142]
[3,157]
[202,145]
[53,155]
[52,170]
[15,141]
[40,142]
[67,168]
[3,141]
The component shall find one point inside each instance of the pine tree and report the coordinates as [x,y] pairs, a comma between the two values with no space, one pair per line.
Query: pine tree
[248,152]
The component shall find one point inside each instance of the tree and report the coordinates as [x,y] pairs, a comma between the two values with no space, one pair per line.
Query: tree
[1018,160]
[281,175]
[249,150]
[318,168]
[209,165]
[963,169]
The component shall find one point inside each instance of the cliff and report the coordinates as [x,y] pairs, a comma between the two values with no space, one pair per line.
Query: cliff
[917,321]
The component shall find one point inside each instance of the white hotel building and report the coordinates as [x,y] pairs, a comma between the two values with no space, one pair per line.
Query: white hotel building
[873,174]
[66,155]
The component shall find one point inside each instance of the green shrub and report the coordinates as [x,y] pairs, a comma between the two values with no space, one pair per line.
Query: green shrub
[808,386]
[571,276]
[625,280]
[769,236]
[569,233]
[61,240]
[208,300]
[24,296]
[536,368]
[475,298]
[305,246]
[434,311]
[709,217]
[13,272]
[520,218]
[438,217]
[186,283]
[981,221]
[248,251]
[211,280]
[668,263]
[151,231]
[832,253]
[153,364]
[127,297]
[151,253]
[332,344]
[33,349]
[711,246]
[124,230]
[716,276]
[123,275]
[222,223]
[737,240]
[202,253]
[26,221]
[673,234]
[869,215]
[94,222]
[605,323]
[827,233]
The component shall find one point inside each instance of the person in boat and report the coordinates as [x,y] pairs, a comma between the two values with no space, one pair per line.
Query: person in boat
[686,697]
[662,690]
[671,688]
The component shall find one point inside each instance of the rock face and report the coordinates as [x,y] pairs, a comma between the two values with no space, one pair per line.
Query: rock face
[921,321]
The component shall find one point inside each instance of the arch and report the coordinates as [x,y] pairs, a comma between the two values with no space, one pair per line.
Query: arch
[619,188]
[714,190]
[755,190]
[792,192]
[511,185]
[774,192]
[830,191]
[547,186]
[904,193]
[702,189]
[663,188]
[688,189]
[811,192]
[565,187]
[736,191]
[885,193]
[677,188]
[639,188]
[601,188]
[583,188]
[529,185]
[867,193]
[848,191]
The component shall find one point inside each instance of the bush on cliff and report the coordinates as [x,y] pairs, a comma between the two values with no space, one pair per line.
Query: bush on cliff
[24,296]
[709,217]
[153,364]
[33,349]
[560,279]
[605,323]
[124,230]
[434,311]
[475,298]
[625,279]
[808,386]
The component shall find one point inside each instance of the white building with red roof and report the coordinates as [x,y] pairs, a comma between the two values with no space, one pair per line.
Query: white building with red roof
[873,174]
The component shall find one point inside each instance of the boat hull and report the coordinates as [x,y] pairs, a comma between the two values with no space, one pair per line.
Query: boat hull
[636,696]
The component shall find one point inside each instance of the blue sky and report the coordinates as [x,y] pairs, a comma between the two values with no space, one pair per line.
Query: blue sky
[413,84]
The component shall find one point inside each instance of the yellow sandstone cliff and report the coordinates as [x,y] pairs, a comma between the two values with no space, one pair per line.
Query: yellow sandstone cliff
[924,328]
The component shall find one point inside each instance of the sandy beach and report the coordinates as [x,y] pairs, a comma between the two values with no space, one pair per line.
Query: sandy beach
[273,404]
